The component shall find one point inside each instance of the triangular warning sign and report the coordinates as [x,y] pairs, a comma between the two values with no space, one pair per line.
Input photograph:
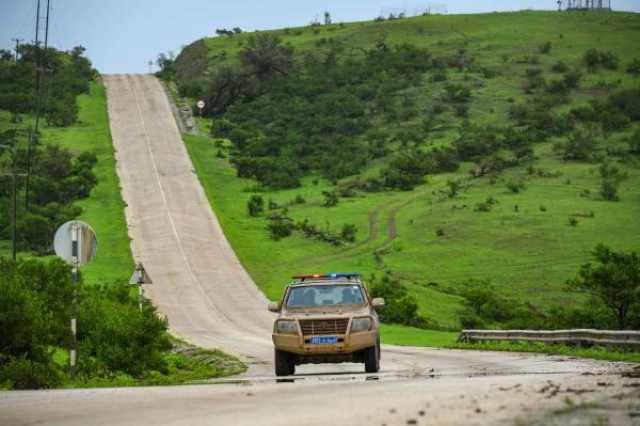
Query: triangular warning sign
[140,276]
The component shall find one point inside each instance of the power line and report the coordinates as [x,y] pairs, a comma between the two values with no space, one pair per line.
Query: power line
[40,93]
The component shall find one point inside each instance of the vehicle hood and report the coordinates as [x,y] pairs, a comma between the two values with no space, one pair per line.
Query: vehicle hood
[326,311]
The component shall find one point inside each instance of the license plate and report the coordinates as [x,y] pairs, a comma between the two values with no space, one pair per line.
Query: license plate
[323,340]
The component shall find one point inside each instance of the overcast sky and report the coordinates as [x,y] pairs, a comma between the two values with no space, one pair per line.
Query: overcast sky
[121,36]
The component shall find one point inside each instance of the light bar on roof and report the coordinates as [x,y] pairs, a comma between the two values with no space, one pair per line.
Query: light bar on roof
[329,275]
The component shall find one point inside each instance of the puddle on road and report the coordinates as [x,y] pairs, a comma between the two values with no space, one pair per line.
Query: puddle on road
[327,377]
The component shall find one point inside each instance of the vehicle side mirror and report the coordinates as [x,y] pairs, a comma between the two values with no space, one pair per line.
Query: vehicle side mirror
[377,302]
[274,307]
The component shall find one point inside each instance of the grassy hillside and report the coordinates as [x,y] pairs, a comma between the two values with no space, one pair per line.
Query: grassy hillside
[528,243]
[104,209]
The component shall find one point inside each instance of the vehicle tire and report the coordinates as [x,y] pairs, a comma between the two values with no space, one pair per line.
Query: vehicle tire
[372,358]
[284,364]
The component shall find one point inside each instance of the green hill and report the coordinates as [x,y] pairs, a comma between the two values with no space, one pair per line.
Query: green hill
[521,206]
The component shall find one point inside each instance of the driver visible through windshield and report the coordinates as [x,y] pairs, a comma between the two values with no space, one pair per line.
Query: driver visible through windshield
[323,295]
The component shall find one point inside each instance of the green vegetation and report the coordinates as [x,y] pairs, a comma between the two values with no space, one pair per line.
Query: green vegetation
[118,344]
[552,349]
[500,132]
[104,208]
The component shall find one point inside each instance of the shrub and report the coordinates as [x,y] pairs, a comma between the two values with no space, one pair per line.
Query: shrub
[255,205]
[120,338]
[560,67]
[572,78]
[280,226]
[581,145]
[456,93]
[348,233]
[515,186]
[634,67]
[611,176]
[634,143]
[273,205]
[440,232]
[545,48]
[330,198]
[573,221]
[486,205]
[400,306]
[23,373]
[595,58]
[484,307]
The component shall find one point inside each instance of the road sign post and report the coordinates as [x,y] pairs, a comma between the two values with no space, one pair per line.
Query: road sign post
[75,242]
[200,104]
[140,276]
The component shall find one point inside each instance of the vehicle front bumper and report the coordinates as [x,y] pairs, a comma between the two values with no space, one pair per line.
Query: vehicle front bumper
[347,343]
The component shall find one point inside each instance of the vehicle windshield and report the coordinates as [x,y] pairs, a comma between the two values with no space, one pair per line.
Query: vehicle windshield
[325,295]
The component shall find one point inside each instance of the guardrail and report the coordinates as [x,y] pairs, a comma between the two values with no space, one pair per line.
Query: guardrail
[585,337]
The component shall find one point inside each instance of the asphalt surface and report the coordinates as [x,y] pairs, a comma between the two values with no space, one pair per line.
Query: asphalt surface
[211,301]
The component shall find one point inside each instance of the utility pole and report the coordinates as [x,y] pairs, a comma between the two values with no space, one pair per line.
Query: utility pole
[18,41]
[40,68]
[14,196]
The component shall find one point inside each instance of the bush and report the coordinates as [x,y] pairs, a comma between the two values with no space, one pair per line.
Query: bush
[255,205]
[348,233]
[484,307]
[560,67]
[115,336]
[634,143]
[595,58]
[330,198]
[545,48]
[23,373]
[611,179]
[581,145]
[572,78]
[400,306]
[515,186]
[280,226]
[634,67]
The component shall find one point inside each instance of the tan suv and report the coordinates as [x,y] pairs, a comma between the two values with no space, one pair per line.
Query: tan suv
[327,318]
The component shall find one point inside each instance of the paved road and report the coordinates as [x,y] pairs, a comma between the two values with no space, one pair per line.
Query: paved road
[210,300]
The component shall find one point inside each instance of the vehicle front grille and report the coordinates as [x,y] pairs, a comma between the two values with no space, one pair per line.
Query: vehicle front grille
[324,326]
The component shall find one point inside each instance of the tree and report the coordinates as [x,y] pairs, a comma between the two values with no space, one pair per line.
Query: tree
[327,18]
[614,281]
[265,56]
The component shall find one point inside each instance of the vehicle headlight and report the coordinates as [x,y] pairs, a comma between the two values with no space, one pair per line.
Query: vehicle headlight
[287,327]
[361,324]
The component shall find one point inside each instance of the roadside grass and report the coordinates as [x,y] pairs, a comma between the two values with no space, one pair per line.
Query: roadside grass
[104,209]
[394,334]
[186,364]
[595,352]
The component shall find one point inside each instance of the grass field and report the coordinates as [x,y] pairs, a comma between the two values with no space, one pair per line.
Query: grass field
[525,245]
[104,209]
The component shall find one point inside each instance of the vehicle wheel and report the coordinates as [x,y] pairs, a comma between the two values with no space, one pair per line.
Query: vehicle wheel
[284,364]
[372,358]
